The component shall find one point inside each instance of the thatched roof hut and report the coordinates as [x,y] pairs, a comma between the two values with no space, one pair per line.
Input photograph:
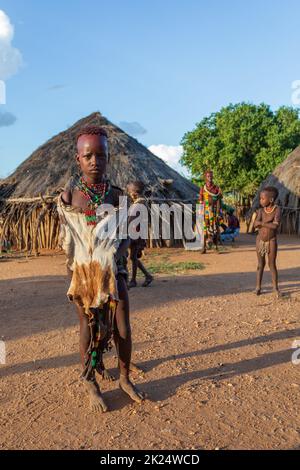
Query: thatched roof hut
[286,178]
[52,164]
[27,197]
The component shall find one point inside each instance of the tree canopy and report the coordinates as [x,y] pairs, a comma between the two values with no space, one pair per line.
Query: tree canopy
[242,144]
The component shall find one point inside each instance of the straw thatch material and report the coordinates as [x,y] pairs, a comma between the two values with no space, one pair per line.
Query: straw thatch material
[28,216]
[52,164]
[286,178]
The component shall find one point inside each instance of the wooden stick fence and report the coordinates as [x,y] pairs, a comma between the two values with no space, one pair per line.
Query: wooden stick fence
[32,224]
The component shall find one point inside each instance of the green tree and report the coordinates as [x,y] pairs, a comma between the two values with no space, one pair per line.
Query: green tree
[242,144]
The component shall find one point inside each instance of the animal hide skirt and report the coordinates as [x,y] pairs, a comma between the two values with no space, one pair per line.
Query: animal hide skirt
[90,252]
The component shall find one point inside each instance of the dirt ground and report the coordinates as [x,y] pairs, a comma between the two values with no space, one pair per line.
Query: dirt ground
[217,359]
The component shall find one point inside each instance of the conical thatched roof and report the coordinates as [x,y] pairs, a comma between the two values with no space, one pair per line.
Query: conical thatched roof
[286,178]
[51,165]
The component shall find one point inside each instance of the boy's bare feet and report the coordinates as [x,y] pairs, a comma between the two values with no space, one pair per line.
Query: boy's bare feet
[132,284]
[257,291]
[97,404]
[148,281]
[130,389]
[104,373]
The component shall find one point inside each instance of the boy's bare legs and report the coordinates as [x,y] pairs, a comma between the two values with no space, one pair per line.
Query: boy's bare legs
[148,276]
[134,266]
[84,333]
[122,339]
[272,265]
[260,271]
[136,263]
[96,400]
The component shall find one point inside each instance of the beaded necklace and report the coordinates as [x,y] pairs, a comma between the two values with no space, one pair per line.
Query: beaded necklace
[269,211]
[216,195]
[95,194]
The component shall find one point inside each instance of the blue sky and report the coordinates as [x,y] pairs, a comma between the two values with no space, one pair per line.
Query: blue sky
[163,65]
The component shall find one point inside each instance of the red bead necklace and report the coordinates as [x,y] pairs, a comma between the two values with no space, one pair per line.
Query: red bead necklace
[95,194]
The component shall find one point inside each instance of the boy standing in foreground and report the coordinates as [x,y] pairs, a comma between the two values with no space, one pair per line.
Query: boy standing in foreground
[98,286]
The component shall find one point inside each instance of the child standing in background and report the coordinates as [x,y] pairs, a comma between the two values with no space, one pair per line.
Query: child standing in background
[136,192]
[267,223]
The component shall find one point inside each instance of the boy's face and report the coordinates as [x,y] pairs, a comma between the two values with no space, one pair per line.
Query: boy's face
[92,156]
[132,191]
[265,199]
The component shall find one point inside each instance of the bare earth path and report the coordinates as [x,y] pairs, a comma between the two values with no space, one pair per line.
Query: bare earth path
[217,359]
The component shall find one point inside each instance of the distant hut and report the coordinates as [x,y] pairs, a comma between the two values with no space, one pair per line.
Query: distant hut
[286,178]
[28,216]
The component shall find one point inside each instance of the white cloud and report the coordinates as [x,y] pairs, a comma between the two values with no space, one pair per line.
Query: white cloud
[171,154]
[10,57]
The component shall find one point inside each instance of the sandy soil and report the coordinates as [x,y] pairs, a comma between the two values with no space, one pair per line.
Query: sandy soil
[217,359]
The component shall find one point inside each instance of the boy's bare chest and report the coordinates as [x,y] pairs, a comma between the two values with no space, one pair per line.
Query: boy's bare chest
[266,233]
[81,201]
[268,217]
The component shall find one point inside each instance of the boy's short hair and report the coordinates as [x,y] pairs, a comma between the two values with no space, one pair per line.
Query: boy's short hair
[91,130]
[137,185]
[272,190]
